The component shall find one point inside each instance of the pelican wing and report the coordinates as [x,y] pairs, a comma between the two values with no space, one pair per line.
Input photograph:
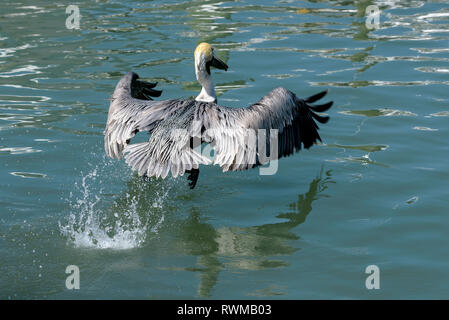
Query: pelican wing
[131,110]
[232,132]
[235,133]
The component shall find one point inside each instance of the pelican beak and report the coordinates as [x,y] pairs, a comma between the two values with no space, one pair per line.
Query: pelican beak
[219,64]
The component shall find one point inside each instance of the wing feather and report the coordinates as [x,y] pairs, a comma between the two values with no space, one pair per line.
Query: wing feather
[280,109]
[130,113]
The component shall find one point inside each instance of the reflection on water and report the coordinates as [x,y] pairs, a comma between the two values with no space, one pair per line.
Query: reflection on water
[247,248]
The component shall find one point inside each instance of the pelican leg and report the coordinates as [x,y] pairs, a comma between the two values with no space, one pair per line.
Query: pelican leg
[193,177]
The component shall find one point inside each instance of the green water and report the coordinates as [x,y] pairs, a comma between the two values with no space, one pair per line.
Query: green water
[375,192]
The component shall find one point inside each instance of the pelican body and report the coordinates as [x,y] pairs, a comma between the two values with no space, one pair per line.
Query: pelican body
[178,127]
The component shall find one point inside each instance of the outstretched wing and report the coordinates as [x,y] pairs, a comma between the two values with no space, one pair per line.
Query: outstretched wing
[236,133]
[131,110]
[232,132]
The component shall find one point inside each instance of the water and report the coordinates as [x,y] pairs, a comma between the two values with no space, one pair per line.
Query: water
[375,192]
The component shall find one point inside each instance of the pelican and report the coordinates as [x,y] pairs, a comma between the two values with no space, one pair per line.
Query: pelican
[175,124]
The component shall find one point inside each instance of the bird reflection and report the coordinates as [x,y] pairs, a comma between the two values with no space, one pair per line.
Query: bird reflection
[216,248]
[247,248]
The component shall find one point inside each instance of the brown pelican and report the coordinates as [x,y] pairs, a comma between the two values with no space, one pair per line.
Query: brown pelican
[175,124]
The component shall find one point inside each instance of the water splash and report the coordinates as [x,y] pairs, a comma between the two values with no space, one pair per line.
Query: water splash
[95,222]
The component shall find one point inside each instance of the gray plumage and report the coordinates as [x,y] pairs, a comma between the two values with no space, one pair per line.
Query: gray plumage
[226,129]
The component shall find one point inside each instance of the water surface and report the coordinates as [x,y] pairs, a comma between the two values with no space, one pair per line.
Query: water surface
[375,192]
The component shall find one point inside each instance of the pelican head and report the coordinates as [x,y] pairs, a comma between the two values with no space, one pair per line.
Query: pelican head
[204,59]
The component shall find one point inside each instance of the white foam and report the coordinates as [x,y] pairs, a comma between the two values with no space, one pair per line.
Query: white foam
[95,223]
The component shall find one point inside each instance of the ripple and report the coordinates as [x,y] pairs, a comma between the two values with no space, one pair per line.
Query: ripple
[337,71]
[220,88]
[31,7]
[440,114]
[17,86]
[379,113]
[268,292]
[364,160]
[18,150]
[227,86]
[378,83]
[8,52]
[21,99]
[412,200]
[435,30]
[28,175]
[46,140]
[434,15]
[431,50]
[365,57]
[433,69]
[280,76]
[159,62]
[26,70]
[424,129]
[407,202]
[367,148]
